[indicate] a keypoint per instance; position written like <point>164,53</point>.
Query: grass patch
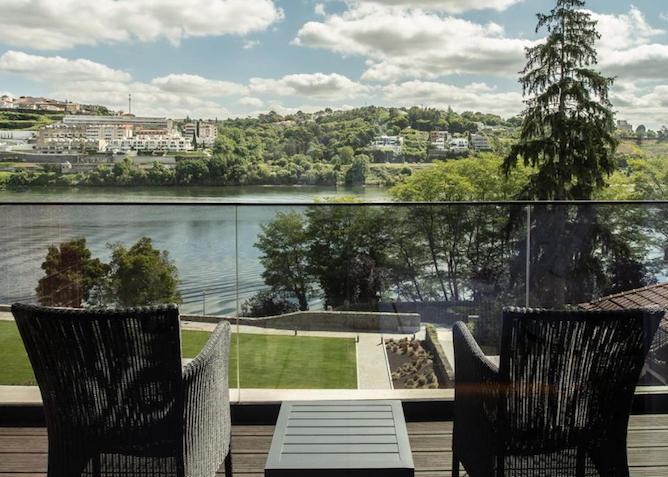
<point>15,367</point>
<point>267,361</point>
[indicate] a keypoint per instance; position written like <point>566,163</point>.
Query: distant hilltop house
<point>459,145</point>
<point>439,140</point>
<point>392,143</point>
<point>480,143</point>
<point>624,127</point>
<point>7,102</point>
<point>112,134</point>
<point>46,104</point>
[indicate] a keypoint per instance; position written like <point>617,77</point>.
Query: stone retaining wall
<point>327,321</point>
<point>442,367</point>
<point>347,321</point>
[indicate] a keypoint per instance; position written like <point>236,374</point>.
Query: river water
<point>201,239</point>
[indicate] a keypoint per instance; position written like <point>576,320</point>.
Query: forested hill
<point>321,135</point>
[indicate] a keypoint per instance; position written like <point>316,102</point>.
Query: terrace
<point>399,271</point>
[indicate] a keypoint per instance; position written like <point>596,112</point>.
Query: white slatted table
<point>340,438</point>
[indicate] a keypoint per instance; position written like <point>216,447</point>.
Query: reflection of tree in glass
<point>71,275</point>
<point>138,276</point>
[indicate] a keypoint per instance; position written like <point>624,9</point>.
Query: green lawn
<point>275,362</point>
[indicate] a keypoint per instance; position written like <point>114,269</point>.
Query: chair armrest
<point>472,366</point>
<point>207,405</point>
<point>477,389</point>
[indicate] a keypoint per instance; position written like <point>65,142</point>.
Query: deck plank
<point>23,451</point>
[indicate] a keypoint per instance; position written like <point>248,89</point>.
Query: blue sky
<point>220,58</point>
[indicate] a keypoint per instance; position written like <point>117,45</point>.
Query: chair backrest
<point>107,374</point>
<point>570,376</point>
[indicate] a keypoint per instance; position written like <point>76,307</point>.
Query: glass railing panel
<point>286,341</point>
<point>603,257</point>
<point>125,255</point>
<point>342,295</point>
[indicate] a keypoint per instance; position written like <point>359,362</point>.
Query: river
<point>201,239</point>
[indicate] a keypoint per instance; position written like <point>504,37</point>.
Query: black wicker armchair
<point>117,400</point>
<point>558,404</point>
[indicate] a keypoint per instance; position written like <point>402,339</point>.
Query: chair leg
<point>97,467</point>
<point>455,465</point>
<point>228,463</point>
<point>500,466</point>
<point>580,462</point>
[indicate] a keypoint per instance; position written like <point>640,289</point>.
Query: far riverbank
<point>237,194</point>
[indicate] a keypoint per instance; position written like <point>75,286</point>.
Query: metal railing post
<point>528,260</point>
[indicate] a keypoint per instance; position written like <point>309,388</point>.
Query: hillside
<point>10,119</point>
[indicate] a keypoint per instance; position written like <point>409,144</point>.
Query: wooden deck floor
<point>23,450</point>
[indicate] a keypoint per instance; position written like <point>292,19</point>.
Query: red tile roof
<point>655,295</point>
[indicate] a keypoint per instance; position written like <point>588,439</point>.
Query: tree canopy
<point>567,132</point>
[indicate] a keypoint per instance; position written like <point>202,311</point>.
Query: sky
<point>229,58</point>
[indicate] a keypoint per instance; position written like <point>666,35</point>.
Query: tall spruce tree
<point>567,137</point>
<point>568,123</point>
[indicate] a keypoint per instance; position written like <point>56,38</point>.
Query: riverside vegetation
<point>325,148</point>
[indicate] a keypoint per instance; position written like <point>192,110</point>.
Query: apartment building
<point>204,132</point>
<point>59,138</point>
<point>624,126</point>
<point>155,143</point>
<point>108,132</point>
<point>121,120</point>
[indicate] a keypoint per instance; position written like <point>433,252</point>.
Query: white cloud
<point>399,42</point>
<point>628,46</point>
<point>473,97</point>
<point>625,30</point>
<point>319,9</point>
<point>88,82</point>
<point>450,6</point>
<point>57,68</point>
<point>641,105</point>
<point>280,108</point>
<point>51,25</point>
<point>250,44</point>
<point>640,62</point>
<point>147,99</point>
<point>251,101</point>
<point>198,86</point>
<point>317,85</point>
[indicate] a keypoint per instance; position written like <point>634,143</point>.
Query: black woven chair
<point>117,400</point>
<point>559,402</point>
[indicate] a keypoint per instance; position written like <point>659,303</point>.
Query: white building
<point>459,145</point>
<point>391,143</point>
